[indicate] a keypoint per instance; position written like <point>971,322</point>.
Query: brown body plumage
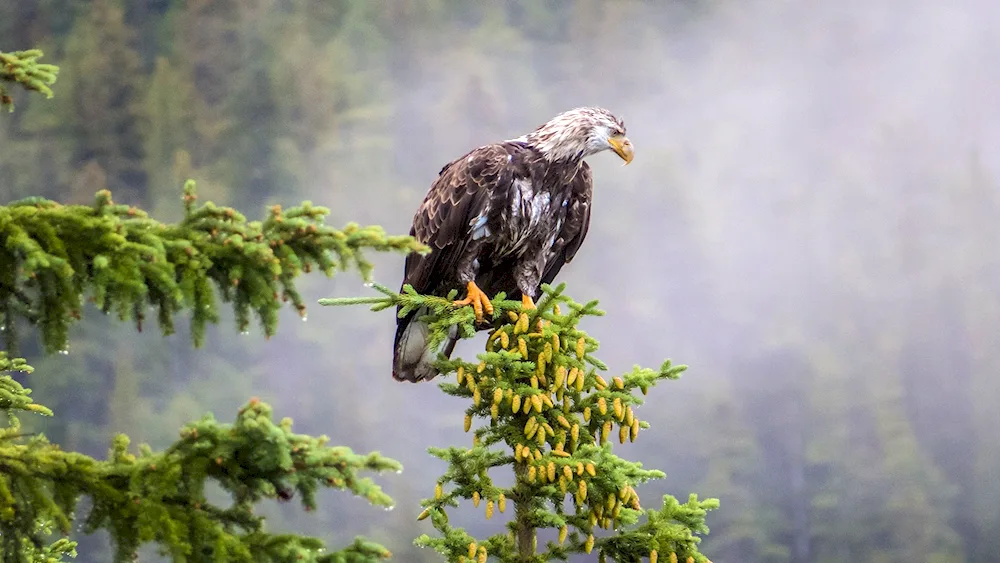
<point>504,217</point>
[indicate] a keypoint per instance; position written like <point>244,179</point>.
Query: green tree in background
<point>744,530</point>
<point>169,136</point>
<point>103,95</point>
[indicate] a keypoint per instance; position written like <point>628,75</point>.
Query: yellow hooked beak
<point>622,147</point>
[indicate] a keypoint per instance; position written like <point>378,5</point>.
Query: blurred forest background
<point>810,223</point>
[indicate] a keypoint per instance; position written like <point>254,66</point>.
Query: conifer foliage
<point>22,67</point>
<point>55,254</point>
<point>161,497</point>
<point>551,416</point>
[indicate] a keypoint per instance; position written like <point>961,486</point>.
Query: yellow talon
<point>478,299</point>
<point>527,302</point>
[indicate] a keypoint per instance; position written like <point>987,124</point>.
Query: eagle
<point>504,217</point>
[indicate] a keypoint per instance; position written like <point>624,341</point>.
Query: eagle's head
<point>581,132</point>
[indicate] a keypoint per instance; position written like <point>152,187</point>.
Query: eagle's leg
<point>528,274</point>
<point>478,299</point>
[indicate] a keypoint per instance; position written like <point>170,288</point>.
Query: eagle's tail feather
<point>412,357</point>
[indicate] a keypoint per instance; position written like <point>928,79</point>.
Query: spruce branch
<point>550,416</point>
<point>161,498</point>
<point>22,67</point>
<point>14,397</point>
<point>125,262</point>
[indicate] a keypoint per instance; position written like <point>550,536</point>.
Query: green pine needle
<point>22,67</point>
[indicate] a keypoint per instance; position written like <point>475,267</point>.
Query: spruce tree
<point>170,131</point>
<point>52,257</point>
<point>550,417</point>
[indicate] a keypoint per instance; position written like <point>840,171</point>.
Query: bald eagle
<point>504,217</point>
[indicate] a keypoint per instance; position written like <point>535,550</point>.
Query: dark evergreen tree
<point>731,467</point>
<point>169,134</point>
<point>101,102</point>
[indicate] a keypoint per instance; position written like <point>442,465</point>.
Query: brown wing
<point>444,221</point>
<point>574,228</point>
